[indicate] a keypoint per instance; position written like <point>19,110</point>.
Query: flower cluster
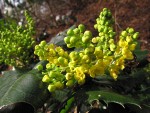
<point>94,56</point>
<point>16,42</point>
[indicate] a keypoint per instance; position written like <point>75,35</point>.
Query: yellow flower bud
<point>85,58</point>
<point>73,55</point>
<point>128,55</point>
<point>96,70</point>
<point>94,40</point>
<point>59,85</point>
<point>69,76</point>
<point>122,43</point>
<point>111,41</point>
<point>129,39</point>
<point>98,52</point>
<point>79,73</point>
<point>51,88</point>
<point>113,74</point>
<point>112,47</point>
<point>48,65</point>
<point>46,78</point>
<point>132,47</point>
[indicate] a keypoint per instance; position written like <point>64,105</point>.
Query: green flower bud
<point>69,45</point>
<point>112,47</point>
<point>40,67</point>
<point>40,53</point>
<point>105,9</point>
<point>102,22</point>
<point>96,26</point>
<point>124,33</point>
<point>61,60</point>
<point>70,32</point>
<point>70,83</point>
<point>111,41</point>
<point>59,85</point>
<point>128,39</point>
<point>136,35</point>
<point>88,33</point>
<point>81,28</point>
<point>131,30</point>
<point>67,40</point>
<point>43,43</point>
<point>52,74</point>
<point>69,76</point>
<point>105,13</point>
<point>73,55</point>
<point>100,28</point>
<point>48,65</point>
<point>102,38</point>
<point>46,78</point>
<point>76,31</point>
<point>85,39</point>
<point>51,88</point>
<point>105,30</point>
<point>94,40</point>
<point>73,39</point>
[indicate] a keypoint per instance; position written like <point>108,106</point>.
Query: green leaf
<point>109,96</point>
<point>7,79</point>
<point>23,88</point>
<point>61,95</point>
<point>140,54</point>
<point>59,38</point>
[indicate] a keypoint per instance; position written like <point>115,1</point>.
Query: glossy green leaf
<point>23,88</point>
<point>59,38</point>
<point>140,54</point>
<point>109,96</point>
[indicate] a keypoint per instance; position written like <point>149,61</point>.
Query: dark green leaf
<point>7,80</point>
<point>23,88</point>
<point>59,38</point>
<point>140,54</point>
<point>61,95</point>
<point>109,96</point>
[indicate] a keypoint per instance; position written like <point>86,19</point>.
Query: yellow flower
<point>114,73</point>
<point>85,68</point>
<point>96,70</point>
<point>79,74</point>
<point>128,55</point>
<point>122,43</point>
<point>120,63</point>
<point>132,47</point>
<point>98,52</point>
<point>117,51</point>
